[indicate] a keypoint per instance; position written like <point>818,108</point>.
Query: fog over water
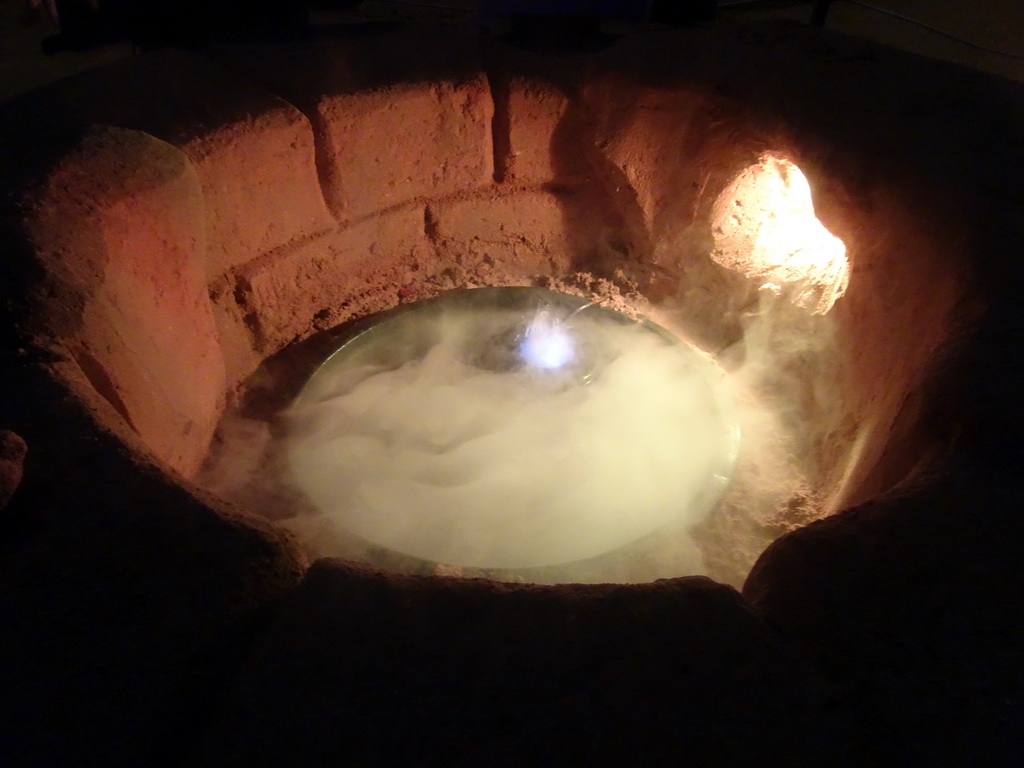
<point>430,442</point>
<point>477,439</point>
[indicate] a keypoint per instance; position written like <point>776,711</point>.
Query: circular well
<point>510,428</point>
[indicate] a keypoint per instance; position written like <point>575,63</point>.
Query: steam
<point>601,434</point>
<point>779,273</point>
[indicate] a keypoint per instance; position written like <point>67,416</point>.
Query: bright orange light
<point>764,227</point>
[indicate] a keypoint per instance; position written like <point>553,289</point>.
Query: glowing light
<point>765,228</point>
<point>547,344</point>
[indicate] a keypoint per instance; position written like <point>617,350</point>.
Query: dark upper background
<point>996,24</point>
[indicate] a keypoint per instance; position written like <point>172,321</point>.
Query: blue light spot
<point>547,344</point>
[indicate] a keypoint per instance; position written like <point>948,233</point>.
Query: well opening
<point>747,273</point>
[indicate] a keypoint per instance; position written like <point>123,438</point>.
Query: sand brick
<point>546,135</point>
<point>536,109</point>
<point>399,113</point>
<point>376,147</point>
<point>539,135</point>
<point>288,292</point>
<point>132,307</point>
<point>237,340</point>
<point>519,234</point>
<point>253,152</point>
<point>651,135</point>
